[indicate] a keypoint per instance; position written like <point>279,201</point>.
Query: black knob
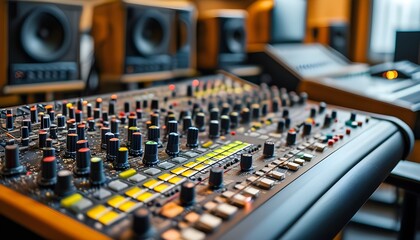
<point>81,131</point>
<point>91,125</point>
<point>291,137</point>
<point>225,109</point>
<point>42,137</point>
<point>327,120</point>
<point>150,157</point>
<point>27,123</point>
<point>275,105</point>
<point>246,162</point>
<point>312,113</point>
<point>322,107</point>
<point>200,121</point>
<point>280,126</point>
<point>225,124</point>
<point>97,172</point>
<point>104,131</point>
<point>303,96</point>
<point>82,162</point>
<point>187,194</point>
<point>287,122</point>
<point>34,114</point>
<point>186,123</point>
<point>154,119</point>
<point>153,134</point>
<point>216,178</point>
<point>245,115</point>
<point>353,116</point>
<point>172,126</point>
<point>190,91</point>
<point>9,121</point>
<point>121,163</point>
<point>89,110</point>
<point>285,113</point>
<point>264,109</point>
<point>48,150</point>
<point>97,113</point>
<point>307,128</point>
<point>126,107</point>
<point>172,147</point>
<point>78,116</point>
<point>111,108</point>
<point>48,176</point>
<point>334,114</point>
<point>12,165</point>
<point>214,114</point>
<point>130,132</point>
<point>53,131</point>
<point>112,149</point>
<point>192,137</point>
<point>136,144</point>
<point>61,121</point>
<point>72,112</point>
<point>82,144</point>
<point>142,224</point>
<point>154,105</point>
<point>132,121</point>
<point>234,119</point>
<point>64,185</point>
<point>115,124</point>
<point>24,133</point>
<point>71,145</point>
<point>255,111</point>
<point>214,129</point>
<point>268,150</point>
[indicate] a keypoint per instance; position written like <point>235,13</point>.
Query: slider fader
<point>191,160</point>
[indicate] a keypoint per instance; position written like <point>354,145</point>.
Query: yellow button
<point>201,159</point>
<point>200,167</point>
<point>134,192</point>
<point>178,170</point>
<point>127,173</point>
<point>129,206</point>
<point>219,157</point>
<point>231,145</point>
<point>161,188</point>
<point>210,155</point>
<point>97,211</point>
<point>225,147</point>
<point>145,197</point>
<point>190,164</point>
<point>151,183</point>
<point>166,176</point>
<point>109,218</point>
<point>219,150</point>
<point>116,201</point>
<point>176,180</point>
<point>207,144</point>
<point>189,173</point>
<point>70,200</point>
<point>238,142</point>
<point>209,162</point>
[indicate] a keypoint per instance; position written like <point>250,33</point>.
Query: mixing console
<point>197,159</point>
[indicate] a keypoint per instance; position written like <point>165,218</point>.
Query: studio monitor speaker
<point>135,40</point>
<point>40,45</point>
<point>221,37</point>
<point>334,33</point>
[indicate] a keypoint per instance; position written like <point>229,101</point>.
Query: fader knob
<point>268,150</point>
<point>172,147</point>
<point>48,175</point>
<point>187,194</point>
<point>112,149</point>
<point>322,107</point>
<point>186,123</point>
<point>256,112</point>
<point>71,145</point>
<point>246,162</point>
<point>234,119</point>
<point>192,137</point>
<point>64,185</point>
<point>225,123</point>
<point>97,173</point>
<point>136,144</point>
<point>12,164</point>
<point>307,128</point>
<point>172,126</point>
<point>150,157</point>
<point>280,126</point>
<point>291,137</point>
<point>327,120</point>
<point>82,162</point>
<point>121,163</point>
<point>142,225</point>
<point>214,129</point>
<point>200,121</point>
<point>245,115</point>
<point>214,114</point>
<point>216,178</point>
<point>153,133</point>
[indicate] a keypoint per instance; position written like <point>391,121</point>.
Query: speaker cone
<point>45,34</point>
<point>235,36</point>
<point>150,33</point>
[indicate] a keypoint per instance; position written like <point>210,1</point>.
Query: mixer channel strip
<point>188,161</point>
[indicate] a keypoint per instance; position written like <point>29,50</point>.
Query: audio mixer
<point>209,158</point>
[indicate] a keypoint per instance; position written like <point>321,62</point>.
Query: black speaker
<point>221,38</point>
<point>339,38</point>
<point>149,33</point>
<point>43,42</point>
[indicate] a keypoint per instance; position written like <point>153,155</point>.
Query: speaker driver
<point>235,36</point>
<point>150,34</point>
<point>45,34</point>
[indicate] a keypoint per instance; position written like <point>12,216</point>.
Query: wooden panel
<point>259,21</point>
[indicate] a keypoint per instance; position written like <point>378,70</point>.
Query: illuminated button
<point>152,171</point>
<point>166,176</point>
<point>110,217</point>
<point>178,170</point>
<point>137,178</point>
<point>201,159</point>
<point>81,205</point>
<point>179,160</point>
<point>238,142</point>
<point>166,165</point>
<point>171,210</point>
<point>225,210</point>
<point>292,166</point>
<point>171,234</point>
<point>117,185</point>
<point>134,192</point>
<point>192,234</point>
<point>190,164</point>
<point>219,150</point>
<point>265,183</point>
<point>231,145</point>
<point>189,173</point>
<point>130,206</point>
<point>200,167</point>
<point>162,188</point>
<point>152,183</point>
<point>207,144</point>
<point>225,148</point>
<point>70,200</point>
<point>116,201</point>
<point>209,162</point>
<point>208,222</point>
<point>210,155</point>
<point>127,173</point>
<point>219,157</point>
<point>240,200</point>
<point>97,211</point>
<point>147,197</point>
<point>176,180</point>
<point>299,161</point>
<point>192,217</point>
<point>277,175</point>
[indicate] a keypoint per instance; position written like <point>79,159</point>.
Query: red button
<point>348,131</point>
